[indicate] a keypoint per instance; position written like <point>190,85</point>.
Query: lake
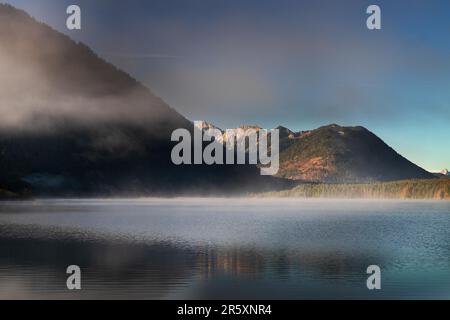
<point>224,248</point>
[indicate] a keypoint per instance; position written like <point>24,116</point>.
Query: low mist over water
<point>224,248</point>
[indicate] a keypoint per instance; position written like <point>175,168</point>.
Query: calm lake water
<point>224,248</point>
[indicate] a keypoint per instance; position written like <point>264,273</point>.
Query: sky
<point>300,64</point>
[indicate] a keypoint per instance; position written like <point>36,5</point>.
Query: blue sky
<point>296,63</point>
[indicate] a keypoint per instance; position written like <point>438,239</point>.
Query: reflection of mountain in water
<point>34,261</point>
<point>109,270</point>
<point>253,262</point>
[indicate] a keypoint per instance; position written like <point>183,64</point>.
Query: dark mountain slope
<point>73,124</point>
<point>46,74</point>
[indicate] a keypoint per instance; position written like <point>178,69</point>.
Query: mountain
<point>73,124</point>
<point>344,154</point>
<point>337,154</point>
<point>443,174</point>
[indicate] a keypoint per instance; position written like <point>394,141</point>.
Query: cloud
<point>44,75</point>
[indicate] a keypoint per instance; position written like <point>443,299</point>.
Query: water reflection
<point>35,269</point>
<point>158,251</point>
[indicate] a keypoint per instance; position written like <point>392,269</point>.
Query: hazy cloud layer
<point>44,76</point>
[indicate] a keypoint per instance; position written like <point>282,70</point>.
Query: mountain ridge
<point>334,153</point>
<point>337,154</point>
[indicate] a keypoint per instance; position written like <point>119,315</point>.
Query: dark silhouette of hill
<point>73,124</point>
<point>345,154</point>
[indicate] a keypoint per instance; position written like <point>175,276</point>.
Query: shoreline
<point>436,189</point>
